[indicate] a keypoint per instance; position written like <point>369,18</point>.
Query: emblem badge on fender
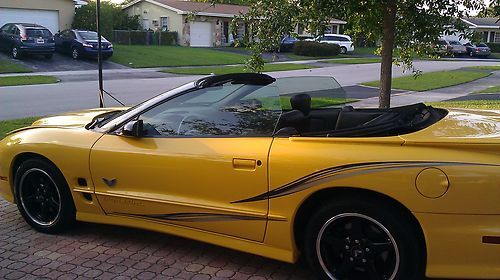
<point>109,182</point>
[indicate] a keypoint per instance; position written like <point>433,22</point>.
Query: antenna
<point>99,53</point>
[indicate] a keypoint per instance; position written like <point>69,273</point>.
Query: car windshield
<point>44,33</point>
<point>89,35</point>
<point>482,45</point>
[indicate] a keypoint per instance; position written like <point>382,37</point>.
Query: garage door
<point>49,19</point>
<point>201,34</point>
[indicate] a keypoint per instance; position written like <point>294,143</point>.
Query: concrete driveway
<point>60,62</point>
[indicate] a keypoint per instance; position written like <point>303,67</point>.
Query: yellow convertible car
<point>279,168</point>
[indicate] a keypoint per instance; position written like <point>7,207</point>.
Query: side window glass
<point>5,28</point>
<point>16,31</point>
<point>224,111</point>
<point>71,35</point>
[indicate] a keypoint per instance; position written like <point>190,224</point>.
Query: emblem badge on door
<point>109,182</point>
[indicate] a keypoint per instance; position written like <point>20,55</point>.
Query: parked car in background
<point>345,42</point>
<point>454,47</point>
<point>26,38</point>
<point>441,47</point>
<point>480,49</point>
<point>287,43</point>
<point>82,43</point>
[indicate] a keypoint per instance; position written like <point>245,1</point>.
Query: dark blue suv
<point>26,38</point>
<point>82,43</point>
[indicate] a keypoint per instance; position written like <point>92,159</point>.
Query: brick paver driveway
<point>90,251</point>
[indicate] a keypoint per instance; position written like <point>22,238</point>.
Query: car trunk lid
<point>460,127</point>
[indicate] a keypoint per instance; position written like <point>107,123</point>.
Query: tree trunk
<point>389,26</point>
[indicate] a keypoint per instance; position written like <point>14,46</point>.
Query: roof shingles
<point>204,7</point>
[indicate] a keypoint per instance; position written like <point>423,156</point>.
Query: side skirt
<point>235,243</point>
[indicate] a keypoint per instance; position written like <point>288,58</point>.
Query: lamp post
<point>99,53</point>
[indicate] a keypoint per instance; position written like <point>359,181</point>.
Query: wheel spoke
<point>344,268</point>
<point>29,199</point>
<point>53,203</point>
<point>372,271</point>
<point>356,230</point>
<point>381,247</point>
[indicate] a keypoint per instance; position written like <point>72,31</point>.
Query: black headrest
<point>301,102</point>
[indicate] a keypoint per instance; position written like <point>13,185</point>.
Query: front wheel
<point>362,240</point>
<point>15,52</point>
<point>343,50</point>
<point>43,196</point>
<point>75,53</point>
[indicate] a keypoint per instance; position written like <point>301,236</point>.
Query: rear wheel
<point>361,240</point>
<point>75,53</point>
<point>43,196</point>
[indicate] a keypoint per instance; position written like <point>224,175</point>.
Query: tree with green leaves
<point>405,27</point>
<point>112,18</point>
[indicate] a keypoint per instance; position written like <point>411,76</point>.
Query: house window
<point>155,22</point>
<point>492,37</point>
<point>335,29</point>
<point>164,23</point>
<point>485,36</point>
<point>497,37</point>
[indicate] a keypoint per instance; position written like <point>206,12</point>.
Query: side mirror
<point>133,129</point>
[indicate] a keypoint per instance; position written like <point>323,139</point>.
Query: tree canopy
<point>405,27</point>
<point>112,17</point>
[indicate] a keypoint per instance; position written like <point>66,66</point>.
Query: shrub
<point>308,48</point>
<point>495,47</point>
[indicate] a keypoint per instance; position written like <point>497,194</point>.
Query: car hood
<point>461,127</point>
<point>71,120</point>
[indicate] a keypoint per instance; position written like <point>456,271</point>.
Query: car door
<point>58,40</point>
<point>193,163</point>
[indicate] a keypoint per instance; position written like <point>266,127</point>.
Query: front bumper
<point>91,52</point>
<point>455,247</point>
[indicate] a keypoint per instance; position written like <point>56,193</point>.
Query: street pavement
<point>40,100</point>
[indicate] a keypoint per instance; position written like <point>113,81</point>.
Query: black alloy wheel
<point>354,240</point>
<point>43,197</point>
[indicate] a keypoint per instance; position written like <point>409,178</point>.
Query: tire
<point>15,52</point>
<point>343,50</point>
<point>349,239</point>
<point>43,196</point>
<point>49,56</point>
<point>75,53</point>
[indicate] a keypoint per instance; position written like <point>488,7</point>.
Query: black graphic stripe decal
<point>346,171</point>
<point>199,217</point>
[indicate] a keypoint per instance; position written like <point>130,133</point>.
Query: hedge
<point>308,48</point>
<point>495,47</point>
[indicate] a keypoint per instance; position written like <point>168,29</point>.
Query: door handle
<point>246,164</point>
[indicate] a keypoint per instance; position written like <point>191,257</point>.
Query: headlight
<point>86,45</point>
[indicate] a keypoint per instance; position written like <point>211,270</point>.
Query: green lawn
<point>433,80</point>
<point>301,57</point>
<point>355,61</point>
<point>12,67</point>
<point>219,70</point>
<point>155,56</point>
<point>316,102</point>
<point>493,89</point>
<point>27,80</point>
<point>9,125</point>
<point>487,68</point>
<point>468,104</point>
